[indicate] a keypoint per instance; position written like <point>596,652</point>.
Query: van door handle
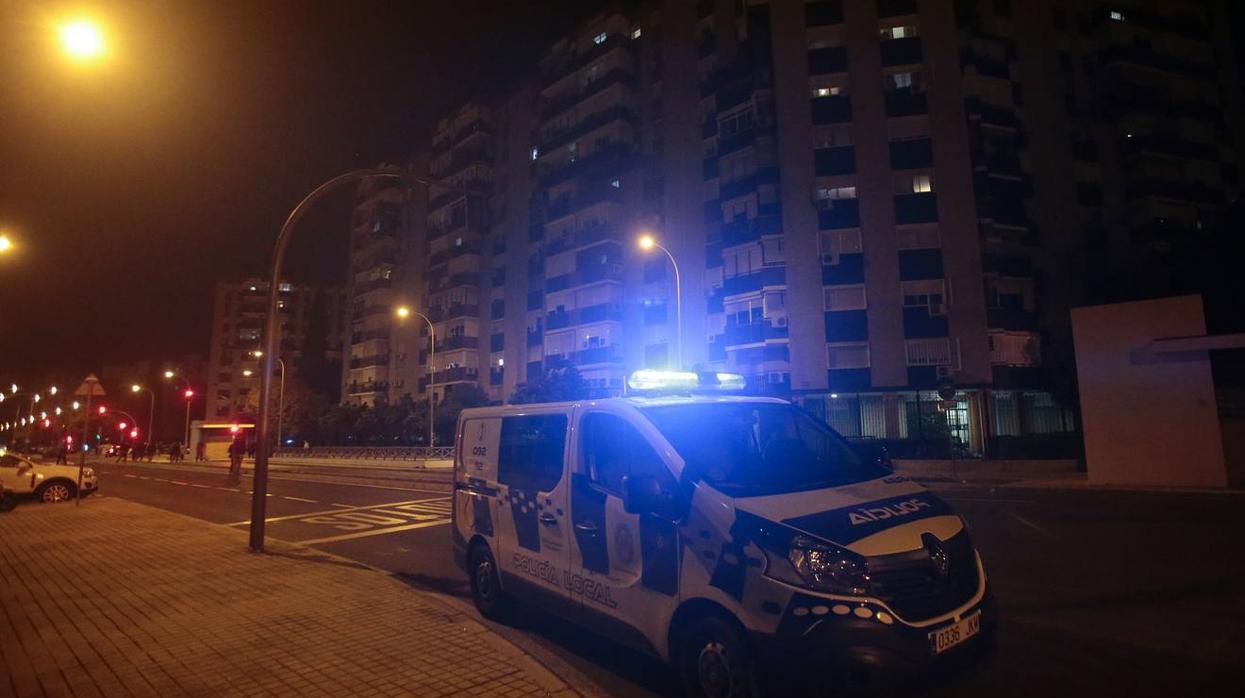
<point>548,519</point>
<point>587,528</point>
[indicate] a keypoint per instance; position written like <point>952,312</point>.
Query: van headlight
<point>828,567</point>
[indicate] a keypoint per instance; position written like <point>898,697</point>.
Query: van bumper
<point>866,650</point>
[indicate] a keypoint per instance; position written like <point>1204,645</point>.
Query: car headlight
<point>828,567</point>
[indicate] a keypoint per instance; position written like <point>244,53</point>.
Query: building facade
<point>234,370</point>
<point>867,200</point>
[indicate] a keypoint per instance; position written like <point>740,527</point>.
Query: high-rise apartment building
<point>234,371</point>
<point>867,200</point>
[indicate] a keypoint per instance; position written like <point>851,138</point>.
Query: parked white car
<point>50,483</point>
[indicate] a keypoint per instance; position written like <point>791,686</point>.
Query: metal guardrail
<point>368,452</point>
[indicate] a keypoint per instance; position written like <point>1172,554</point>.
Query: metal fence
<point>368,452</point>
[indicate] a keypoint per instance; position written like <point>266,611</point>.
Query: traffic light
<point>133,433</point>
<point>103,410</point>
<point>189,393</point>
<point>47,423</point>
<point>233,429</point>
<point>121,426</point>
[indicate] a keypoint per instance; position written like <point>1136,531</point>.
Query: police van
<point>732,536</point>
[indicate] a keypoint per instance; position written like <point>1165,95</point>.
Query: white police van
<point>736,537</point>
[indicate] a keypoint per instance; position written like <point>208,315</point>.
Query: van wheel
<point>716,662</point>
<point>55,491</point>
<point>486,591</point>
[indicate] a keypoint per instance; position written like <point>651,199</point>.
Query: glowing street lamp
<point>247,372</point>
<point>403,312</point>
<point>82,39</point>
<point>76,405</point>
<point>647,243</point>
<point>5,243</point>
<point>169,374</point>
<point>151,413</point>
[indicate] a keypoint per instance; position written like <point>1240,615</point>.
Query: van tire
<point>715,660</point>
<point>486,591</point>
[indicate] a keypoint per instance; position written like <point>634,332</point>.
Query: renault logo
<point>938,556</point>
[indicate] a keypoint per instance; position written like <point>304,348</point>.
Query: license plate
<point>944,639</point>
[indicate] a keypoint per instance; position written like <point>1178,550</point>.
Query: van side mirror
<point>644,494</point>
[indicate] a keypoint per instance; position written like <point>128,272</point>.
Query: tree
<point>457,400</point>
<point>559,384</point>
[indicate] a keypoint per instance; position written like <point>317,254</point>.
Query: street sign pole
<point>90,387</point>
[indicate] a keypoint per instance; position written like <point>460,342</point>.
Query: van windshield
<point>749,449</point>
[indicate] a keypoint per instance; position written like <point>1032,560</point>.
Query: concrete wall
<point>1149,419</point>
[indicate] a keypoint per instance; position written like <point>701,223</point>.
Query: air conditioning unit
<point>943,372</point>
<point>937,309</point>
<point>780,321</point>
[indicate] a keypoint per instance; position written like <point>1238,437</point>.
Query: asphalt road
<point>1102,593</point>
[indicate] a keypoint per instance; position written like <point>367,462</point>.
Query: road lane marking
<point>1032,525</point>
<point>178,482</point>
<point>347,506</point>
<point>128,475</point>
<point>376,532</point>
<point>333,511</point>
<point>299,499</point>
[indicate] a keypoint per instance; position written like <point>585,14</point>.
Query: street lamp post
<point>280,395</point>
<point>403,312</point>
<point>190,396</point>
<point>648,242</point>
<point>272,329</point>
<point>151,413</point>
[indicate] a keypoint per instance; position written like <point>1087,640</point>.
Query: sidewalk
<point>116,598</point>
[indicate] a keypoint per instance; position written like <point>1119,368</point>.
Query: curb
<point>540,673</point>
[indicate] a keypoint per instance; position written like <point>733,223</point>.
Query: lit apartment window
<point>284,288</point>
<point>600,38</point>
<point>535,152</point>
<point>826,195</point>
<point>635,33</point>
<point>1117,16</point>
<point>826,91</point>
<point>914,184</point>
<point>903,32</point>
<point>900,81</point>
<point>616,183</point>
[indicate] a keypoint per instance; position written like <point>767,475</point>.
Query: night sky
<point>133,185</point>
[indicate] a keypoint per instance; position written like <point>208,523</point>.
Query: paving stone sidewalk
<point>116,598</point>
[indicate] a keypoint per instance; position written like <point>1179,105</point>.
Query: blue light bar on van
<point>684,381</point>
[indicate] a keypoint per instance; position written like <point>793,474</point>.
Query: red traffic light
<point>47,423</point>
<point>189,393</point>
<point>121,426</point>
<point>103,410</point>
<point>133,433</point>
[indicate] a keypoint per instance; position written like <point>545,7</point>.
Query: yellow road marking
<point>333,511</point>
<point>299,499</point>
<point>377,532</point>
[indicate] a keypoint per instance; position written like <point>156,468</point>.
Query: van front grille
<point>910,583</point>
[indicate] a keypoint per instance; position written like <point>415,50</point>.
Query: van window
<point>530,452</point>
<point>614,449</point>
<point>746,449</point>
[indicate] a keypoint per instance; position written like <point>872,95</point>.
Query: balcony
<point>440,281</point>
<point>367,388</point>
<point>1180,191</point>
<point>830,59</point>
<point>844,213</point>
<point>369,311</point>
<point>369,361</point>
<point>1146,57</point>
<point>828,162</point>
<point>905,51</point>
<point>570,63</point>
<point>369,335</point>
<point>835,109</point>
<point>745,231</point>
<point>1167,145</point>
<point>445,140</point>
<point>769,276</point>
<point>905,102</point>
<point>459,342</point>
<point>618,76</point>
<point>916,208</point>
<point>604,312</point>
<point>456,310</point>
<point>609,159</point>
<point>462,158</point>
<point>594,355</point>
<point>566,204</point>
<point>473,247</point>
<point>555,138</point>
<point>458,374</point>
<point>818,13</point>
<point>752,333</point>
<point>587,275</point>
<point>372,285</point>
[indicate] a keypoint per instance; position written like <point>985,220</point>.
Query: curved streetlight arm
<point>272,337</point>
<point>678,307</point>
